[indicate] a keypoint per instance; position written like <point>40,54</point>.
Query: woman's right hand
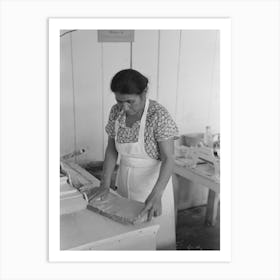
<point>99,193</point>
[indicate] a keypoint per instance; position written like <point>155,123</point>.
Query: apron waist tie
<point>138,162</point>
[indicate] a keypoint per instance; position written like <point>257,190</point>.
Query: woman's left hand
<point>152,206</point>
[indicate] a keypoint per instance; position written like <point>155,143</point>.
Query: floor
<point>192,234</point>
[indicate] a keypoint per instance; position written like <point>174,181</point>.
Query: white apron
<point>137,176</point>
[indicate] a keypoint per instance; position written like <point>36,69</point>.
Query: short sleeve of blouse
<point>165,127</point>
<point>110,127</point>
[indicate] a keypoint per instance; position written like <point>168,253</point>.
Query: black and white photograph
<point>140,139</point>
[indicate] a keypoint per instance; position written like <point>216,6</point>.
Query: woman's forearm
<point>109,164</point>
<point>166,171</point>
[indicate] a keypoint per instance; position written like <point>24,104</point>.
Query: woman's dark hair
<point>129,81</point>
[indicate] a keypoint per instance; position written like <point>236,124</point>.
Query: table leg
<point>212,208</point>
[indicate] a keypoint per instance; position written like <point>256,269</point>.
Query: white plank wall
<point>88,93</point>
<point>66,98</point>
<point>214,110</point>
<point>168,69</point>
<point>198,83</point>
<point>145,57</point>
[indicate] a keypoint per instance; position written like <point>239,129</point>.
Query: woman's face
<point>131,103</point>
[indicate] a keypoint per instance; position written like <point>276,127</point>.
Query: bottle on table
<point>208,137</point>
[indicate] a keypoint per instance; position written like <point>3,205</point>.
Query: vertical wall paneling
<point>130,58</point>
<point>178,74</point>
<point>66,97</point>
<point>102,117</point>
<point>88,93</point>
<point>116,56</point>
<point>168,61</point>
<point>145,53</point>
<point>196,80</point>
<point>158,64</point>
<point>73,96</point>
<point>214,110</point>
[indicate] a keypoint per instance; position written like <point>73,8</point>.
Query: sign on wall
<point>115,35</point>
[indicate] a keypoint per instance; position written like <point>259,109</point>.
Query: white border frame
<point>221,24</point>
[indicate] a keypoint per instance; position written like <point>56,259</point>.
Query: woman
<point>142,133</point>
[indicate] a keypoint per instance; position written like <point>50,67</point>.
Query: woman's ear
<point>143,94</point>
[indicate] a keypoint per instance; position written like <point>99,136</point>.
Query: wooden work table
<point>87,230</point>
<point>202,175</point>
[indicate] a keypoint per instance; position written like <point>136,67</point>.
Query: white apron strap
<point>143,122</point>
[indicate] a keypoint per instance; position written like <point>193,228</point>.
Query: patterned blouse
<point>159,127</point>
